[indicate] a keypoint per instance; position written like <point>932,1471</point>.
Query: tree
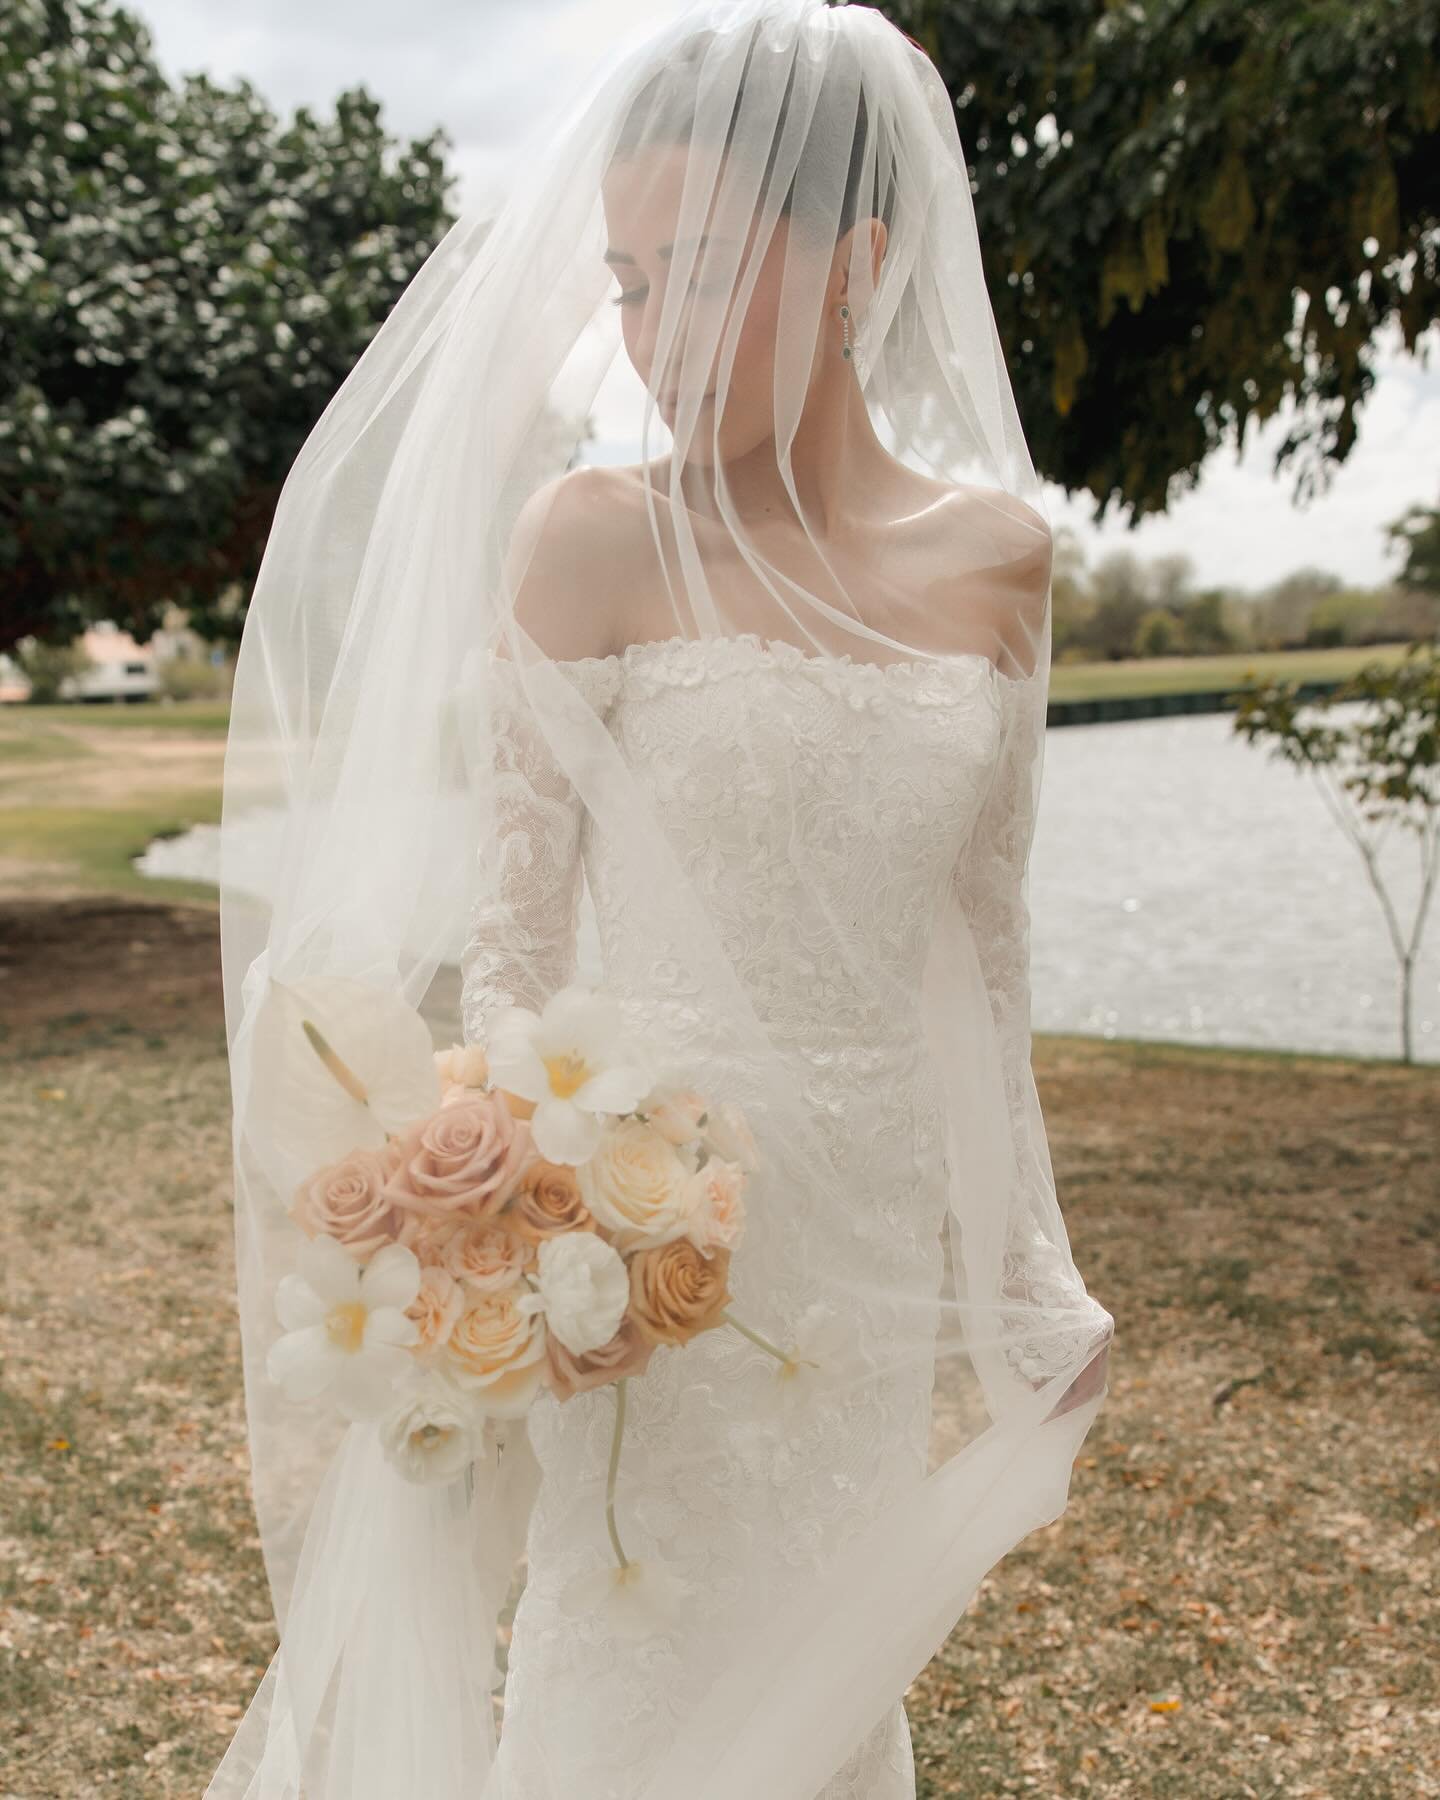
<point>183,284</point>
<point>1120,602</point>
<point>1390,758</point>
<point>1418,534</point>
<point>1192,212</point>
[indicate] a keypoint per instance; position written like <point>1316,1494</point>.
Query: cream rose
<point>347,1201</point>
<point>677,1291</point>
<point>465,1160</point>
<point>636,1185</point>
<point>497,1352</point>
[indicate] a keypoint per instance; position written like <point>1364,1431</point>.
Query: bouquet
<point>481,1228</point>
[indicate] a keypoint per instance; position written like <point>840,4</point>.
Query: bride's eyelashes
<point>633,294</point>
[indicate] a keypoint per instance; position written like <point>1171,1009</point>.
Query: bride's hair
<point>665,108</point>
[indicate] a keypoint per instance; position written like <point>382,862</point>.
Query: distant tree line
<point>1125,607</point>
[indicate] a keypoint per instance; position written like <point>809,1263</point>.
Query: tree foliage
<point>184,281</point>
<point>1193,212</point>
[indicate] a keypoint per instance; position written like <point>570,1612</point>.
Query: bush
<point>45,666</point>
<point>187,678</point>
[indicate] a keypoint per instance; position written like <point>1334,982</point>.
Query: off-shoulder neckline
<point>782,653</point>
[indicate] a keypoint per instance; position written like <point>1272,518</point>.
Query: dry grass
<point>1241,1599</point>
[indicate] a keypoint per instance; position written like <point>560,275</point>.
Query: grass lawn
<point>1185,674</point>
<point>1240,1600</point>
<point>83,790</point>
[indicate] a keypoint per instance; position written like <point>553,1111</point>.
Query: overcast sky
<point>488,70</point>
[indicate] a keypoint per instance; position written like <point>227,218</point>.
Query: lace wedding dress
<point>891,773</point>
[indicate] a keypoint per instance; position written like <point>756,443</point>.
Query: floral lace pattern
<point>797,791</point>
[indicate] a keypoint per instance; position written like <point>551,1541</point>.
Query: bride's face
<point>641,196</point>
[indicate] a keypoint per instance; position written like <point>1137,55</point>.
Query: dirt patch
<point>81,971</point>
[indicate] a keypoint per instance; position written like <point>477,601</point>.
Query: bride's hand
<point>1086,1385</point>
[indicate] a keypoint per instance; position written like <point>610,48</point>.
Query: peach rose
<point>464,1160</point>
<point>717,1204</point>
<point>676,1114</point>
<point>488,1257</point>
<point>497,1351</point>
<point>636,1186</point>
<point>728,1134</point>
<point>627,1353</point>
<point>462,1066</point>
<point>677,1291</point>
<point>436,1307</point>
<point>548,1202</point>
<point>347,1200</point>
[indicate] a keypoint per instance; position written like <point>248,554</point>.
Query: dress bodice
<point>819,806</point>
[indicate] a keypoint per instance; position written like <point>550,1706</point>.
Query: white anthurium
<point>432,1432</point>
<point>636,1600</point>
<point>818,1352</point>
<point>337,1064</point>
<point>347,1334</point>
<point>572,1062</point>
<point>584,1288</point>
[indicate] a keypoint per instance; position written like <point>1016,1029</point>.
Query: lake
<point>1184,886</point>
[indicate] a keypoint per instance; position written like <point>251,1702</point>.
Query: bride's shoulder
<point>991,587</point>
<point>565,562</point>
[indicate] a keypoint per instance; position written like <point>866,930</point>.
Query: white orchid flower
<point>347,1335</point>
<point>569,1060</point>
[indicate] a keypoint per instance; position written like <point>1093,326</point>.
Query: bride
<point>774,695</point>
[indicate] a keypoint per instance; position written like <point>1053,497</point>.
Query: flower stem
<point>755,1338</point>
<point>620,1387</point>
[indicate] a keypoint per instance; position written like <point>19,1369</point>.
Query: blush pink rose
<point>463,1161</point>
<point>627,1353</point>
<point>347,1200</point>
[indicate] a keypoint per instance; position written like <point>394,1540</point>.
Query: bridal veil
<point>722,371</point>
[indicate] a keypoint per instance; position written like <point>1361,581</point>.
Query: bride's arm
<point>521,941</point>
<point>1054,1318</point>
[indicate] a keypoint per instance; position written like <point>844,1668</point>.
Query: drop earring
<point>846,349</point>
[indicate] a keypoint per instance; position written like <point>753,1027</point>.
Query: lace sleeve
<point>520,944</point>
<point>1054,1319</point>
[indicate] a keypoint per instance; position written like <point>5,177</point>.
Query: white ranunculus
<point>583,1292</point>
<point>433,1434</point>
<point>347,1336</point>
<point>571,1062</point>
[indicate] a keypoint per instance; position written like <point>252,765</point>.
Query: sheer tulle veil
<point>747,269</point>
